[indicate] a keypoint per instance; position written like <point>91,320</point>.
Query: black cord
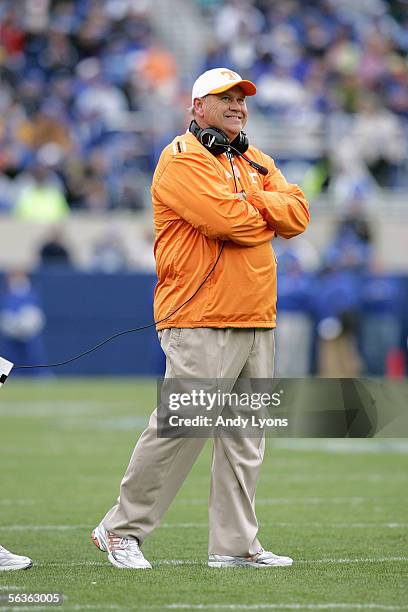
<point>122,333</point>
<point>136,329</point>
<point>258,167</point>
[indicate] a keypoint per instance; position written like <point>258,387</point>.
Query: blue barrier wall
<point>83,309</point>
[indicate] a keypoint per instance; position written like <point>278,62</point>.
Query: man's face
<point>226,111</point>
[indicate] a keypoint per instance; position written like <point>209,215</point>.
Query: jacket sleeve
<point>190,185</point>
<point>282,204</point>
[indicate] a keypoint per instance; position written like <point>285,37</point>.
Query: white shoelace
<point>117,543</point>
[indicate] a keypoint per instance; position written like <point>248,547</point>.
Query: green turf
<point>64,446</point>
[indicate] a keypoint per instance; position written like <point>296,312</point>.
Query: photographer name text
<point>242,422</point>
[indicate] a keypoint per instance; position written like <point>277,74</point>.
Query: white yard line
<point>72,563</point>
<point>23,527</point>
<point>378,445</point>
<point>28,608</point>
<point>316,525</point>
<point>310,525</point>
<point>189,606</point>
<point>203,562</point>
<point>266,606</point>
<point>282,606</point>
<point>372,477</point>
<point>358,560</point>
<point>97,607</point>
<point>66,607</point>
<point>11,587</point>
<point>50,409</point>
<point>303,501</point>
<point>17,502</point>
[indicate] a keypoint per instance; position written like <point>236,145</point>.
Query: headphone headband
<point>216,141</point>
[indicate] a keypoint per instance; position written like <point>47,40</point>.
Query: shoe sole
<point>229,564</point>
<point>13,568</point>
<point>125,567</point>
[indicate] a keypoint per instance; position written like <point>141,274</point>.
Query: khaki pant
<point>159,466</point>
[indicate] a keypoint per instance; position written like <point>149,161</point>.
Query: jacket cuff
<point>254,197</point>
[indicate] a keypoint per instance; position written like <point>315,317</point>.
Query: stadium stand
<point>88,89</point>
<point>332,79</point>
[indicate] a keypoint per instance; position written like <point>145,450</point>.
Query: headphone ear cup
<point>214,140</point>
<point>241,142</point>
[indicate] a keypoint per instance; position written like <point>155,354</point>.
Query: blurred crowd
<point>338,316</point>
<point>80,89</point>
<point>340,65</point>
<point>89,94</point>
<point>323,55</point>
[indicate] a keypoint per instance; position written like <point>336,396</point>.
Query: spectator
<point>54,250</point>
<point>294,326</point>
<point>109,255</point>
<point>380,140</point>
<point>336,304</point>
<point>97,97</point>
<point>336,298</point>
<point>143,252</point>
<point>158,71</point>
<point>21,323</point>
<point>12,36</point>
<point>42,199</point>
<point>49,126</point>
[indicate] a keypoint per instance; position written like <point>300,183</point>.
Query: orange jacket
<point>195,210</point>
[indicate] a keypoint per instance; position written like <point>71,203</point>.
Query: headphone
<point>216,141</point>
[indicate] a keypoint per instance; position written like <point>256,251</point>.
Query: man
<point>9,561</point>
<point>204,201</point>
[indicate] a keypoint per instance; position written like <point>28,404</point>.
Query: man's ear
<point>198,107</point>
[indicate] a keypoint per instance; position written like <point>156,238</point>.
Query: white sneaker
<point>9,561</point>
<point>261,559</point>
<point>122,552</point>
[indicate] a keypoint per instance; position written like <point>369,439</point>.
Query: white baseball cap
<point>218,80</point>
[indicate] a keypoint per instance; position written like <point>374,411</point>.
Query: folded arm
<point>194,190</point>
<point>282,204</point>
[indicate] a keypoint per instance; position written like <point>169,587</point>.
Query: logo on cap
<point>233,76</point>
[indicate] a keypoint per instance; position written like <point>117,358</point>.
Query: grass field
<point>338,507</point>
